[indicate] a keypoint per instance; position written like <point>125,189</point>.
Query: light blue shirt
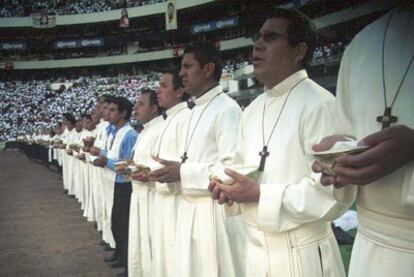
<point>125,152</point>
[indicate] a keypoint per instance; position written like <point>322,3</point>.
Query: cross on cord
<point>184,157</point>
<point>387,118</point>
<point>263,155</point>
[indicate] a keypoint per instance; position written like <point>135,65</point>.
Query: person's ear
<point>209,69</point>
<point>300,52</point>
<point>179,93</point>
<point>123,114</point>
<point>154,109</point>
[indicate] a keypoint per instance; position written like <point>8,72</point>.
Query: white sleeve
<point>285,206</point>
<point>195,175</point>
<point>408,187</point>
<point>343,111</point>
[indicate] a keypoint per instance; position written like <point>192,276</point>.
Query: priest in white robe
<point>84,185</point>
<point>204,237</point>
<point>170,96</point>
<point>102,179</point>
<point>286,210</point>
<point>60,149</point>
<point>55,146</point>
<point>59,145</point>
<point>377,66</point>
<point>69,121</point>
<point>73,165</point>
<point>141,217</point>
<point>78,162</point>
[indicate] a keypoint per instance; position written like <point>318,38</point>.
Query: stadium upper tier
<point>131,51</point>
<point>22,8</point>
<point>152,8</point>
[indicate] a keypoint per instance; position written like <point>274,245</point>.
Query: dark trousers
<point>120,219</point>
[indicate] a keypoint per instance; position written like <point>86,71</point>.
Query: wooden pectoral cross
<point>263,155</point>
<point>387,118</point>
<point>184,157</point>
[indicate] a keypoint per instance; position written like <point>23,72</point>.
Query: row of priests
<point>205,189</point>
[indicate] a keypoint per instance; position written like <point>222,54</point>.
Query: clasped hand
<point>244,189</point>
<point>390,149</point>
<point>170,173</point>
<point>100,161</point>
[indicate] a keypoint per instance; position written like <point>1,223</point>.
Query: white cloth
<point>89,211</point>
<point>105,193</point>
<point>63,156</point>
<point>289,230</point>
<point>103,188</point>
<point>79,168</point>
<point>140,213</point>
<point>84,172</point>
<point>59,152</point>
<point>95,210</point>
<point>205,238</point>
<point>69,137</point>
<point>168,147</point>
<point>87,204</point>
<point>385,239</point>
<point>73,168</point>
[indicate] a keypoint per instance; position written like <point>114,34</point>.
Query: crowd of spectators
<point>22,8</point>
<point>29,106</point>
<point>232,65</point>
<point>329,50</point>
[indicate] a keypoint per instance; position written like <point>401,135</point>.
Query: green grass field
<point>346,255</point>
<point>347,249</point>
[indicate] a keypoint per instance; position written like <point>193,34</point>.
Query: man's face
<point>114,116</point>
<point>98,105</point>
<point>166,95</point>
<point>79,125</point>
<point>87,124</point>
<point>96,111</point>
<point>273,58</point>
<point>193,75</point>
<point>68,124</point>
<point>105,111</point>
<point>143,110</point>
<point>101,106</point>
<point>95,117</point>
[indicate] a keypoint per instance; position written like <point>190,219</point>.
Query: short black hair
<point>86,116</point>
<point>123,105</point>
<point>153,99</point>
<point>107,98</point>
<point>177,81</point>
<point>69,117</point>
<point>175,72</point>
<point>204,53</point>
<point>300,29</point>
